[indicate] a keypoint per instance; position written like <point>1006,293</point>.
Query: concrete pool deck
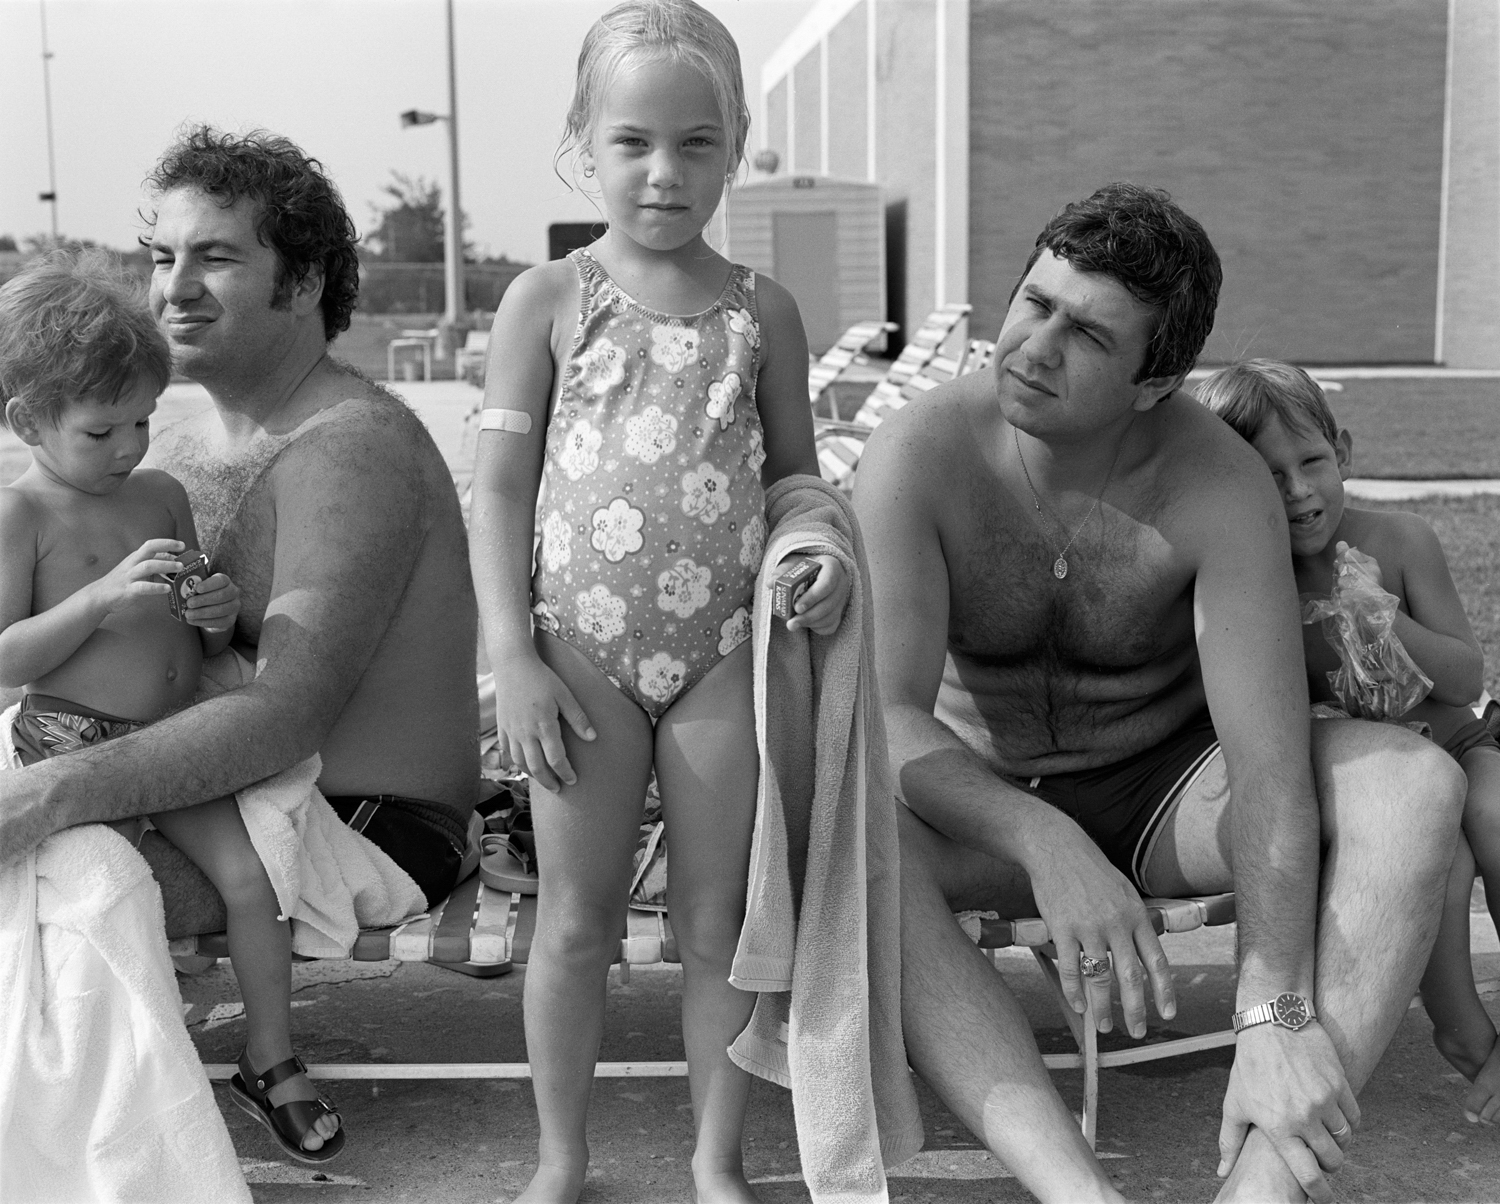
<point>473,1141</point>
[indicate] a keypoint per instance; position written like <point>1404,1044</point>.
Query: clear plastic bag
<point>1376,677</point>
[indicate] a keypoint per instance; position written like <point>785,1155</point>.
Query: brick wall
<point>1306,135</point>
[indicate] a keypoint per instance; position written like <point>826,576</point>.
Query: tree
<point>411,229</point>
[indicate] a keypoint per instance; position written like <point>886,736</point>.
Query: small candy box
<point>185,584</point>
<point>800,573</point>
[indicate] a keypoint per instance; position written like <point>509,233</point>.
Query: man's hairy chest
<point>234,512</point>
<point>1125,602</point>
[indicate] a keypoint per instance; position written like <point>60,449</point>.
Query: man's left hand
<point>1291,1086</point>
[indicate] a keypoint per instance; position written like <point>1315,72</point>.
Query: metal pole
<point>51,194</point>
<point>453,248</point>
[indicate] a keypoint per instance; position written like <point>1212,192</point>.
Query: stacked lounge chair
<point>923,364</point>
<point>850,349</point>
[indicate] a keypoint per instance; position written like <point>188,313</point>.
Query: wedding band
<point>1092,967</point>
<point>1340,1133</point>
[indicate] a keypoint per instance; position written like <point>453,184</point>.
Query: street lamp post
<point>453,247</point>
<point>50,196</point>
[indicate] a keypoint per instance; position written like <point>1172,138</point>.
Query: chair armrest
<point>1167,915</point>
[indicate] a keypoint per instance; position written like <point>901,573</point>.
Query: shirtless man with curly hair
<point>324,498</point>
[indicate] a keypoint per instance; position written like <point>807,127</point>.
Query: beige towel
<point>821,941</point>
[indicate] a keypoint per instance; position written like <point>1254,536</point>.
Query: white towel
<point>329,880</point>
<point>102,1095</point>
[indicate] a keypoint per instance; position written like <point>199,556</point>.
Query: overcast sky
<point>333,75</point>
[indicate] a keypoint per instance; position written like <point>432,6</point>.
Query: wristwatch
<point>1288,1010</point>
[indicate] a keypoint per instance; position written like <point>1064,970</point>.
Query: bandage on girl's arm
<point>517,422</point>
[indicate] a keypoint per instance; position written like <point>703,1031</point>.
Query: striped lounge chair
<point>848,350</point>
<point>923,364</point>
<point>476,924</point>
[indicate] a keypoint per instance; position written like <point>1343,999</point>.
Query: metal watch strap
<point>1265,1013</point>
<point>1261,1013</point>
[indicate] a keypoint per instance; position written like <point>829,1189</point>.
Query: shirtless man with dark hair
<point>325,499</point>
<point>1090,655</point>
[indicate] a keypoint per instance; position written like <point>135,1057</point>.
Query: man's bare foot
<point>1260,1176</point>
<point>722,1187</point>
<point>555,1184</point>
<point>1482,1100</point>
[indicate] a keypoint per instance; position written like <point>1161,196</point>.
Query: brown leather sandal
<point>290,1122</point>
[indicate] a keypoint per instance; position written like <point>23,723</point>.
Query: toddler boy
<point>86,626</point>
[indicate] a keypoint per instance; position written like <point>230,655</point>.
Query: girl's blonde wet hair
<point>676,30</point>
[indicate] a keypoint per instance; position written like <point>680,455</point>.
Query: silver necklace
<point>1060,565</point>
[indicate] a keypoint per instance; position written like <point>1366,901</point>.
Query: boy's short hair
<point>1250,393</point>
<point>1140,237</point>
<point>74,325</point>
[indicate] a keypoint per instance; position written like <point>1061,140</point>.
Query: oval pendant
<point>1060,568</point>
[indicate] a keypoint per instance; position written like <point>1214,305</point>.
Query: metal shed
<point>821,237</point>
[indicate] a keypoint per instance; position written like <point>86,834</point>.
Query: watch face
<point>1289,1010</point>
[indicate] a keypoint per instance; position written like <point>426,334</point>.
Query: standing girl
<point>651,390</point>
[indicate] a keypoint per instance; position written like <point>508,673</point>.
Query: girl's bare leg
<point>585,837</point>
<point>707,768</point>
<point>213,837</point>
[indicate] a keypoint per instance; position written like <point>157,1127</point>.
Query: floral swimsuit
<point>651,512</point>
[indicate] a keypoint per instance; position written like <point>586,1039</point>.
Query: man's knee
<point>1388,783</point>
<point>1441,775</point>
<point>1424,781</point>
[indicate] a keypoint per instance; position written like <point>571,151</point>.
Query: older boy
<point>1283,414</point>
